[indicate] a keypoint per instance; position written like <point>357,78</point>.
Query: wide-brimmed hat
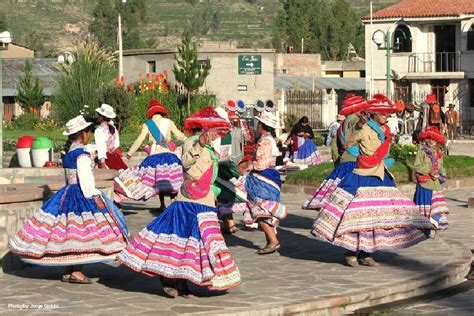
<point>270,106</point>
<point>431,98</point>
<point>240,106</point>
<point>353,103</point>
<point>269,119</point>
<point>340,117</point>
<point>259,106</point>
<point>230,105</point>
<point>155,107</point>
<point>381,104</point>
<point>432,133</point>
<point>205,119</point>
<point>106,110</point>
<point>451,106</point>
<point>233,116</point>
<point>75,125</point>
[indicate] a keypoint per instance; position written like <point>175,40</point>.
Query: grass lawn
<point>456,167</point>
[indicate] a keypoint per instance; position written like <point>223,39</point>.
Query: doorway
<point>445,48</point>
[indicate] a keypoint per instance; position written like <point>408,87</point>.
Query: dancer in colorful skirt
<point>430,174</point>
<point>353,108</point>
<point>77,225</point>
<point>305,151</point>
<point>367,213</point>
<point>185,242</point>
<point>107,140</point>
<point>161,172</point>
<point>263,185</point>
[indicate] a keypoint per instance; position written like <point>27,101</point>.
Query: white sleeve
<point>85,176</point>
<point>101,143</point>
<point>117,139</point>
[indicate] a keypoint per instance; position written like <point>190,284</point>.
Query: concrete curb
<point>451,274</point>
<point>409,188</point>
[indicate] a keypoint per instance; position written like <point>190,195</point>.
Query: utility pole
<point>119,38</point>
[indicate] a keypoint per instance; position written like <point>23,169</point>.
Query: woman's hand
<point>129,156</point>
<point>99,202</point>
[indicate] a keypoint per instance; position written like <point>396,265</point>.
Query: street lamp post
<point>380,37</point>
<point>119,39</point>
<point>5,39</point>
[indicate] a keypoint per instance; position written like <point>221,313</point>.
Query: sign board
<point>250,64</point>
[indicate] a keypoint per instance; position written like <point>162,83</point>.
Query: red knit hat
<point>432,133</point>
<point>381,104</point>
<point>431,98</point>
<point>353,103</point>
<point>154,107</point>
<point>206,119</point>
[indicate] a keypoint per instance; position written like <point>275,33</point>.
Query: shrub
<point>25,121</point>
<point>120,100</point>
<point>93,69</point>
<point>403,153</point>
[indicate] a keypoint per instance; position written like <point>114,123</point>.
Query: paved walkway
<point>306,275</point>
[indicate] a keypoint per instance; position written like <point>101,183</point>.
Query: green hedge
<point>456,167</point>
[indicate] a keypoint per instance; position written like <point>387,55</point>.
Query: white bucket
<point>40,156</point>
<point>24,157</point>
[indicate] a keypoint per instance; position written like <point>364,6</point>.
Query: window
<point>151,66</point>
<point>439,88</point>
<point>402,39</point>
<point>402,90</point>
<point>470,38</point>
<point>204,63</point>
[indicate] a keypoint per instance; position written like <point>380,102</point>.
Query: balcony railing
<point>434,62</point>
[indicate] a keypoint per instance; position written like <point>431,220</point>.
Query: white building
<point>431,50</point>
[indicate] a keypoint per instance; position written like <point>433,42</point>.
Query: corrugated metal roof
<point>306,83</point>
<point>46,69</point>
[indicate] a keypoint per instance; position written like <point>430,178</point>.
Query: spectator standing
<point>452,122</point>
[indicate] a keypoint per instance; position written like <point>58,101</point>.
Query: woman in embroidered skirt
<point>77,225</point>
<point>107,140</point>
<point>263,185</point>
<point>185,242</point>
<point>305,151</point>
<point>353,108</point>
<point>367,212</point>
<point>430,174</point>
<point>161,172</point>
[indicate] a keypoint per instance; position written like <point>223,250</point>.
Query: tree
<point>327,27</point>
<point>30,91</point>
<point>93,69</point>
<point>105,23</point>
<point>187,70</point>
<point>3,22</point>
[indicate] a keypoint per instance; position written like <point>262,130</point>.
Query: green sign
<point>250,64</point>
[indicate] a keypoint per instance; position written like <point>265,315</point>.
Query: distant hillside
<point>59,24</point>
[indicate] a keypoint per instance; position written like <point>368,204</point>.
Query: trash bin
<point>42,151</point>
<point>23,151</point>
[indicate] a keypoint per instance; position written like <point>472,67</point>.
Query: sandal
<point>66,278</point>
<point>368,261</point>
<point>183,289</point>
<point>168,286</point>
<point>268,250</point>
<point>73,279</point>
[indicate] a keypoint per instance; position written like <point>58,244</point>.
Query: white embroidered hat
<point>106,110</point>
<point>75,125</point>
<point>269,119</point>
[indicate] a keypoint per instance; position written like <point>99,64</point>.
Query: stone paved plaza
<point>307,276</point>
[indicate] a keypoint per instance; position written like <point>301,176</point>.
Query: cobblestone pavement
<point>461,302</point>
<point>305,270</point>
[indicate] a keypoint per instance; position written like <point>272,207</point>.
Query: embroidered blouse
<point>424,164</point>
<point>78,166</point>
<point>167,128</point>
<point>105,141</point>
<point>267,151</point>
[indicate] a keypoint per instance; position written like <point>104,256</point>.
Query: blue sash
<point>156,133</point>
